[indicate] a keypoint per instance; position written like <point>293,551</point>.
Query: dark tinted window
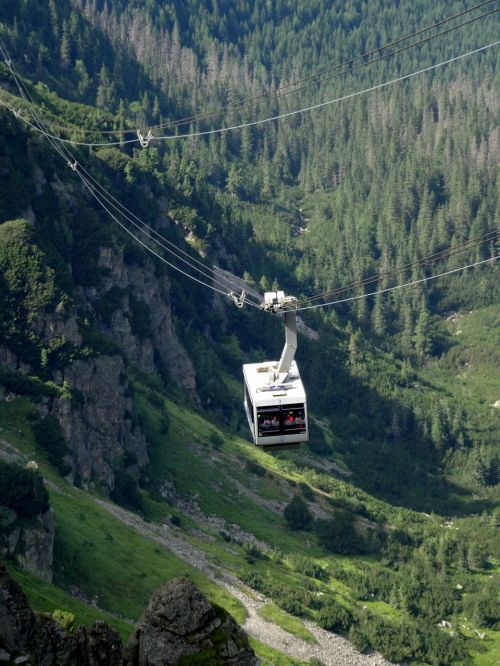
<point>284,420</point>
<point>269,420</point>
<point>294,419</point>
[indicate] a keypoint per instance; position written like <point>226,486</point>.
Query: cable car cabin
<point>277,413</point>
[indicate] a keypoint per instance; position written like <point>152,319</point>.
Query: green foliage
<point>308,567</point>
<point>338,535</point>
<point>27,285</point>
<point>65,619</point>
<point>126,492</point>
<point>19,382</point>
<point>254,468</point>
<point>334,616</point>
<point>50,437</point>
<point>297,515</point>
<point>110,302</point>
<point>22,490</point>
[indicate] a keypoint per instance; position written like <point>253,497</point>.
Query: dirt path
<point>331,649</point>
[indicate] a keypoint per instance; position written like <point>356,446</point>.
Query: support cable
<point>311,79</point>
<point>319,105</point>
<point>398,286</point>
<point>74,165</point>
<point>291,87</point>
<point>442,254</point>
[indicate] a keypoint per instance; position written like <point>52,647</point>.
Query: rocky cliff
<point>179,626</point>
<point>85,342</point>
<point>26,637</point>
<point>26,520</point>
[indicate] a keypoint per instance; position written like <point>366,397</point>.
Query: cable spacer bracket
<point>239,301</point>
<point>144,140</point>
<point>72,165</point>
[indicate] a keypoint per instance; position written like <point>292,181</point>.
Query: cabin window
<point>281,420</point>
<point>294,419</point>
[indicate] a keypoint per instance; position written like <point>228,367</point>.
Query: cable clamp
<point>144,139</point>
<point>73,165</point>
<point>239,301</point>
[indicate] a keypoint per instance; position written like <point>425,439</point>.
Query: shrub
<point>254,468</point>
<point>65,619</point>
<point>215,439</point>
<point>358,638</point>
<point>307,491</point>
<point>175,520</point>
<point>18,382</point>
<point>253,553</point>
<point>308,567</point>
<point>338,535</point>
<point>125,491</point>
<point>50,437</point>
<point>334,616</point>
<point>22,490</point>
<point>291,601</point>
<point>297,514</point>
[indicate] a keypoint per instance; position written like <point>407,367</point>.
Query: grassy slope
<point>123,568</point>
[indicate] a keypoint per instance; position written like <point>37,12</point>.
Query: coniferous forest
<point>388,519</point>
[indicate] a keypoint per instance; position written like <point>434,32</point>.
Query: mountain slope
<point>121,377</point>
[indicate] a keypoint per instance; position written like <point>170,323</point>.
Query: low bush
<point>50,437</point>
<point>126,492</point>
<point>22,490</point>
<point>333,616</point>
<point>254,468</point>
<point>297,514</point>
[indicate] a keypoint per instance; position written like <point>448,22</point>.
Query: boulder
<point>180,622</point>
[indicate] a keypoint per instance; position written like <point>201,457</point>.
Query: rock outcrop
<point>31,546</point>
<point>100,428</point>
<point>178,626</point>
<point>27,638</point>
<point>138,288</point>
<point>179,623</point>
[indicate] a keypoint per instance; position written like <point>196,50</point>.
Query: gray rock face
<point>31,546</point>
<point>141,284</point>
<point>180,622</point>
<point>100,428</point>
<point>24,637</point>
<point>37,547</point>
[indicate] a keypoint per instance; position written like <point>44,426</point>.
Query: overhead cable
<point>276,117</point>
<point>398,286</point>
<point>316,78</point>
<point>73,163</point>
<point>442,254</point>
<point>297,85</point>
<point>320,105</point>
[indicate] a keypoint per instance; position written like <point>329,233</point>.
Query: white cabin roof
<point>264,390</point>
